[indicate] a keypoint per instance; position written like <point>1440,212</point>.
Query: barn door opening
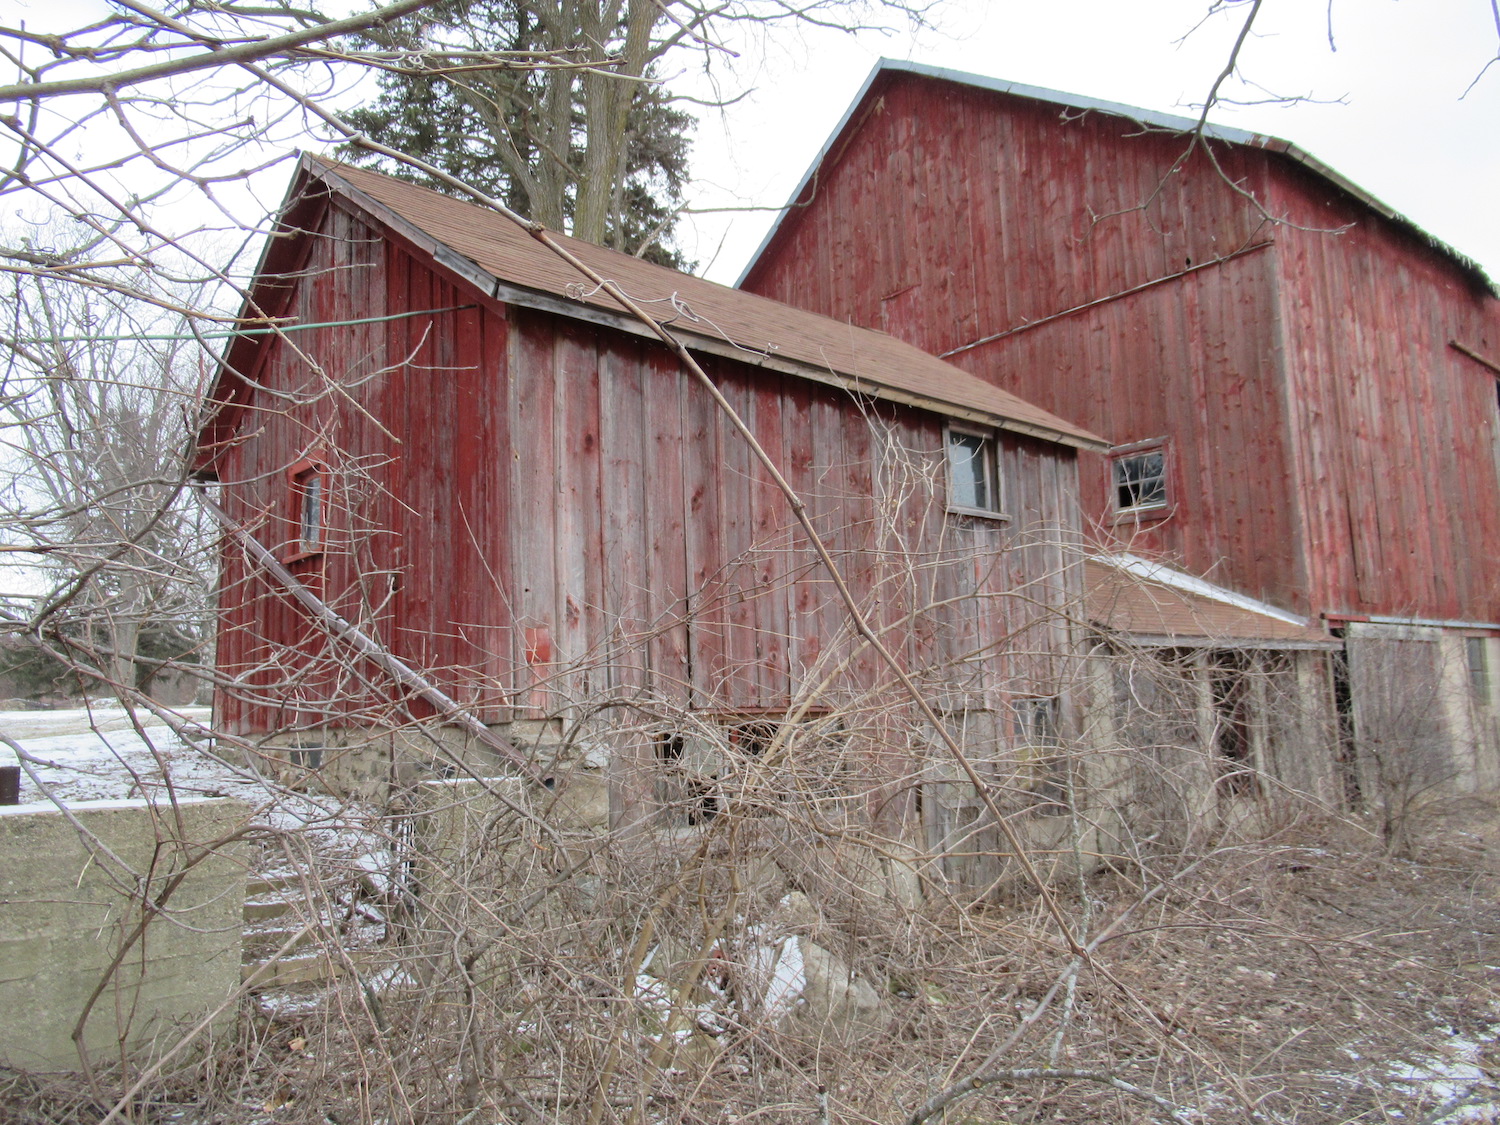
<point>1343,706</point>
<point>1229,684</point>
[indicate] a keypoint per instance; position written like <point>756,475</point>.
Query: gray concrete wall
<point>66,907</point>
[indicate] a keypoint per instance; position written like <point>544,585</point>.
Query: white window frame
<point>308,482</point>
<point>989,455</point>
<point>1477,664</point>
<point>1119,456</point>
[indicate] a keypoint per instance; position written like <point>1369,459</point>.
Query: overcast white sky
<point>1401,126</point>
<point>1395,119</point>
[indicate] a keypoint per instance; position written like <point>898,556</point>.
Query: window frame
<point>990,451</point>
<point>1477,666</point>
<point>310,470</point>
<point>1117,457</point>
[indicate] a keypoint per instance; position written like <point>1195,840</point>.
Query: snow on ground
<point>1457,1076</point>
<point>106,753</point>
<point>98,753</point>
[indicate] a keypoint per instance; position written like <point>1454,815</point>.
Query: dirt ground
<point>1310,978</point>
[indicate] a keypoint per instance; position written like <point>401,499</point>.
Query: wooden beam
<point>371,649</point>
<point>1475,356</point>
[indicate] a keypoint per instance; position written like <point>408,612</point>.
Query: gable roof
<point>504,262</point>
<point>1161,122</point>
<point>1150,603</point>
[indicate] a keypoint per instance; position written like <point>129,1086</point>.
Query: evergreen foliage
<point>584,142</point>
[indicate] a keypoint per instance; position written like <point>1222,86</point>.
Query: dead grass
<point>1295,979</point>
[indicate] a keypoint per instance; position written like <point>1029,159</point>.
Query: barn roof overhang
<point>1149,604</point>
<point>1146,118</point>
<point>504,264</point>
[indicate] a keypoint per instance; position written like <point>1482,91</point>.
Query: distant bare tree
<point>101,409</point>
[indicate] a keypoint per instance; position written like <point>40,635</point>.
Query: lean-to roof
<point>1151,603</point>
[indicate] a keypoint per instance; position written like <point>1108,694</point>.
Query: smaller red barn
<point>468,453</point>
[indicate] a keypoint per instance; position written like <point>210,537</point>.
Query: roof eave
<point>205,456</point>
<point>1203,641</point>
<point>512,293</point>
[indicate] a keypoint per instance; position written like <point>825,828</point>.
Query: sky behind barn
<point>1388,108</point>
<point>1389,111</point>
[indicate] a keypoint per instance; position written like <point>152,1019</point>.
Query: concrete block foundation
<point>68,908</point>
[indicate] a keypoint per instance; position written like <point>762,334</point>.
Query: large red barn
<point>1300,385</point>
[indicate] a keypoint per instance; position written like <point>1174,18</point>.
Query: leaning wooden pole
<point>365,645</point>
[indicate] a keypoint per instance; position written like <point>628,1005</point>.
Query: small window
<point>1477,649</point>
<point>973,482</point>
<point>1036,721</point>
<point>1139,477</point>
<point>307,756</point>
<point>309,481</point>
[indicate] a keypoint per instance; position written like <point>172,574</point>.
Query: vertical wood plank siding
<point>1327,450</point>
<point>542,513</point>
<point>1407,506</point>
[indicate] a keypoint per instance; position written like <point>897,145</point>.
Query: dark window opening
<point>1343,705</point>
<point>1229,682</point>
<point>689,797</point>
<point>1140,480</point>
<point>1037,735</point>
<point>753,739</point>
<point>308,757</point>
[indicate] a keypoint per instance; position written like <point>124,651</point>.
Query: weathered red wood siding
<point>542,514</point>
<point>978,213</point>
<point>415,500</point>
<point>956,213</point>
<point>1393,431</point>
<point>1287,378</point>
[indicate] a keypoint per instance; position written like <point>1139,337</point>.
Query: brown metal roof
<point>1153,604</point>
<point>706,315</point>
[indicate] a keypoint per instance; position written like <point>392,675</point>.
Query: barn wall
<point>262,636</point>
<point>952,213</point>
<point>1394,433</point>
<point>1164,363</point>
<point>542,514</point>
<point>1330,451</point>
<point>662,560</point>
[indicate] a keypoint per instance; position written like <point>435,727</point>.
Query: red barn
<point>473,456</point>
<point>1300,385</point>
